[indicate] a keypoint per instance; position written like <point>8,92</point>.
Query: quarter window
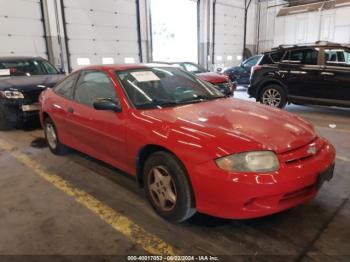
<point>337,57</point>
<point>65,88</point>
<point>92,86</point>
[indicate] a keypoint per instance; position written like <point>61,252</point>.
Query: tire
<point>52,140</point>
<point>172,183</point>
<point>273,95</point>
<point>5,123</point>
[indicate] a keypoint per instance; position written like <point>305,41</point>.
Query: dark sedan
<point>21,81</point>
<point>241,73</point>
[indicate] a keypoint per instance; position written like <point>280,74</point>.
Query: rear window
<point>28,67</point>
<point>272,58</point>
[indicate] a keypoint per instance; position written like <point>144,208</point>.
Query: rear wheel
<point>168,188</point>
<point>273,95</point>
<point>52,138</point>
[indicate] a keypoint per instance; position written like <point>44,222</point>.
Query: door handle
<point>70,110</point>
<point>327,73</point>
<point>298,72</point>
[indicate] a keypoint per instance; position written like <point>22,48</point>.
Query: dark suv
<point>303,74</point>
<point>21,81</point>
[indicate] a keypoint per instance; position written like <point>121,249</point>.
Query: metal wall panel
<point>100,31</point>
<point>229,31</point>
<point>21,28</point>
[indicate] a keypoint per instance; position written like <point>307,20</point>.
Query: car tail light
<point>255,68</point>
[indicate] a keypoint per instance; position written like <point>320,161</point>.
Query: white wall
<point>330,25</point>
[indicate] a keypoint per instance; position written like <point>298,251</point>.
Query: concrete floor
<point>38,219</point>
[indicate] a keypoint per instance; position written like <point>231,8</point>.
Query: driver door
<point>99,133</point>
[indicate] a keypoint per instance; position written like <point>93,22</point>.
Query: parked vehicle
<point>303,74</point>
<point>21,81</point>
<point>241,73</point>
<point>220,81</point>
<point>192,148</point>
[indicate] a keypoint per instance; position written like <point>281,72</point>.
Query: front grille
<point>302,153</point>
<point>31,97</point>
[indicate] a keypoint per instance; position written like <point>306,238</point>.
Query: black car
<point>21,81</point>
<point>241,73</point>
<point>316,73</point>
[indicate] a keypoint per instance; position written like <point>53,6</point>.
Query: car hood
<point>212,77</point>
<point>25,83</point>
<point>238,125</point>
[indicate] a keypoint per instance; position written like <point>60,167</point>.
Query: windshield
<point>28,67</point>
<point>163,86</point>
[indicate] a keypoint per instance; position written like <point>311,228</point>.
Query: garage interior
<point>77,208</point>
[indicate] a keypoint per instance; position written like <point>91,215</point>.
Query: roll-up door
<point>229,32</point>
<point>21,28</point>
<point>101,32</point>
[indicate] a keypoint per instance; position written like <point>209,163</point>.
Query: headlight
<point>12,94</point>
<point>255,161</point>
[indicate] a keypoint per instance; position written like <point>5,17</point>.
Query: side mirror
<point>219,70</point>
<point>107,104</point>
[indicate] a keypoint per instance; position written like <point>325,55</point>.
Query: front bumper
<point>19,111</point>
<point>250,195</point>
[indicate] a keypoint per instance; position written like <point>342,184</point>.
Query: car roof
<point>16,58</point>
<point>122,67</point>
<point>306,45</point>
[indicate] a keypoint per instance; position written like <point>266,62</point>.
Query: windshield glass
<point>28,67</point>
<point>163,86</point>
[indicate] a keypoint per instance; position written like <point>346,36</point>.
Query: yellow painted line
<point>343,158</point>
<point>149,242</point>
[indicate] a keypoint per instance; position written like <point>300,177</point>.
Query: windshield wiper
<point>196,99</point>
<point>160,102</point>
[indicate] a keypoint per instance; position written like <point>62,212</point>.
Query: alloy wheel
<point>162,188</point>
<point>51,135</point>
<point>272,97</point>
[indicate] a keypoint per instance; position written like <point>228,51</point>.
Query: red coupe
<point>189,146</point>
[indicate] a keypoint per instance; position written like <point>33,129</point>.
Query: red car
<point>220,81</point>
<point>192,148</point>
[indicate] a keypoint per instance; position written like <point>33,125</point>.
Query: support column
<point>54,33</point>
<point>145,30</point>
<point>205,29</point>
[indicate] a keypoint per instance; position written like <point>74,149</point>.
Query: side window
<point>65,88</point>
<point>276,57</point>
<point>337,57</point>
<point>191,68</point>
<point>296,56</point>
<point>94,85</point>
<point>310,57</point>
<point>303,56</point>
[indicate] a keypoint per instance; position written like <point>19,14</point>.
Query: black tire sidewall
<point>184,207</point>
<point>277,88</point>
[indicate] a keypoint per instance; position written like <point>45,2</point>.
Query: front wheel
<point>167,187</point>
<point>273,95</point>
